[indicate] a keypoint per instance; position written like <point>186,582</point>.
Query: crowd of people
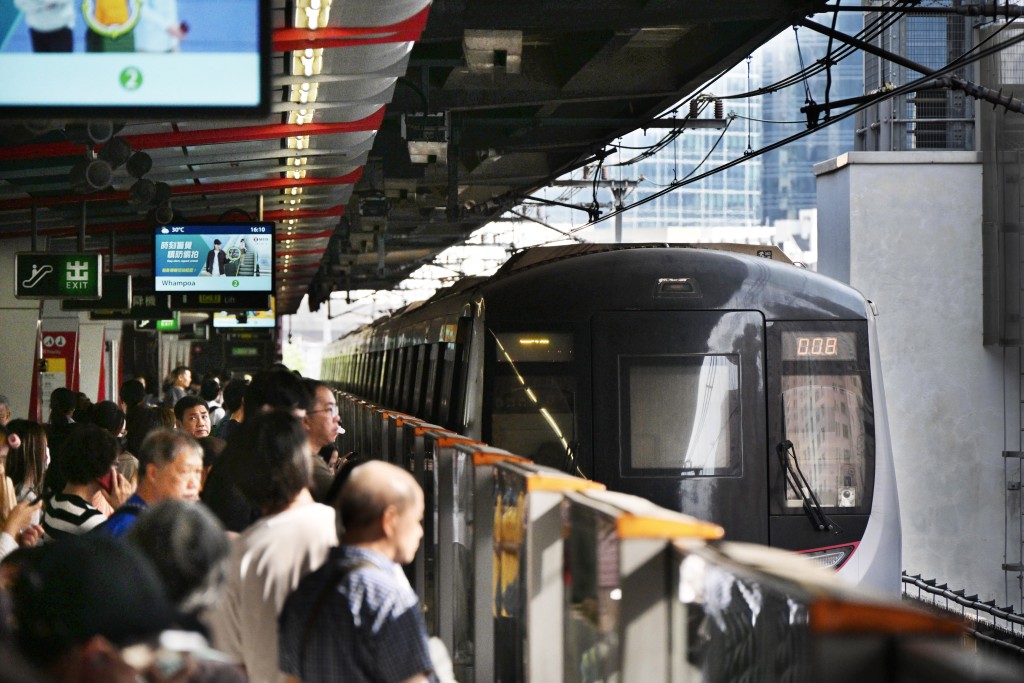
<point>216,534</point>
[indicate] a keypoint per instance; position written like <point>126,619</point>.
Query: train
<point>720,381</point>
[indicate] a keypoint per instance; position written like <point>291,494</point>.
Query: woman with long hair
<point>26,465</point>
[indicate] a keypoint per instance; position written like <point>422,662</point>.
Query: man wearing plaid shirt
<point>357,619</point>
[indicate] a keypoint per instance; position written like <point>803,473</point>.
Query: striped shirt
<point>357,620</point>
<point>66,514</point>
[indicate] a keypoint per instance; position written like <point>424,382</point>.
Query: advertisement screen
<point>135,56</point>
<point>214,258</point>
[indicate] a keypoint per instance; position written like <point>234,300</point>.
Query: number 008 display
<point>815,346</point>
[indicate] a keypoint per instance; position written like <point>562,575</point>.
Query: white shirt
<point>151,32</point>
<point>48,15</point>
<point>267,561</point>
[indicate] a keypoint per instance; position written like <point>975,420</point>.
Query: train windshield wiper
<point>801,487</point>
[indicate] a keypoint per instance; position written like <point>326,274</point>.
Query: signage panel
<point>143,307</point>
<point>117,295</point>
<point>57,368</point>
<point>171,324</point>
<point>216,301</point>
<point>40,275</point>
<point>219,257</point>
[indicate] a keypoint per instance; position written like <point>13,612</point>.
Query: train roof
<point>533,256</point>
<point>562,284</point>
<point>552,283</point>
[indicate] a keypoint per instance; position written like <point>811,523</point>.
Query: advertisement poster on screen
<point>135,57</point>
<point>192,259</point>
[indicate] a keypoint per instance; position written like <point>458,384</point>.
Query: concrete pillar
<point>905,229</point>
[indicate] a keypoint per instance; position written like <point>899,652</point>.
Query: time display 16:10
<point>803,346</point>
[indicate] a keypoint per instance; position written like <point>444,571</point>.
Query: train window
<point>534,347</point>
<point>420,381</point>
<point>682,414</point>
<point>534,398</point>
<point>405,400</point>
<point>430,392</point>
<point>825,414</point>
<point>444,393</point>
<point>824,418</point>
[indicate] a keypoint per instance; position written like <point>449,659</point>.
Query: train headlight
<point>831,558</point>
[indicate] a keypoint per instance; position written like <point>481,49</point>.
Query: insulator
<point>694,109</point>
<point>719,109</point>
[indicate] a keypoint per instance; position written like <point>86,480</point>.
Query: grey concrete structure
<point>905,229</point>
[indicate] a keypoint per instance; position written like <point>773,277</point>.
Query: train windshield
<point>826,415</point>
<point>683,414</point>
<point>534,397</point>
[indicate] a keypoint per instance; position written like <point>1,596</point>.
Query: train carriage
<point>734,387</point>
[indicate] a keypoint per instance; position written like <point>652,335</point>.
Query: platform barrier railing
<point>530,574</point>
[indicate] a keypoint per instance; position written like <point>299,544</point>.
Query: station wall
<point>18,319</point>
<point>905,229</point>
<point>97,371</point>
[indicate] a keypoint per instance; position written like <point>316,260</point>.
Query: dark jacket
<point>222,258</point>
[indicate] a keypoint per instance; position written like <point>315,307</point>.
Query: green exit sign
<point>58,276</point>
<point>171,325</point>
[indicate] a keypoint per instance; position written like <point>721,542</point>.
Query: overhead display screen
<point>135,57</point>
<point>214,258</point>
<point>248,319</point>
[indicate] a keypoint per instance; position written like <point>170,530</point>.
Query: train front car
<point>734,388</point>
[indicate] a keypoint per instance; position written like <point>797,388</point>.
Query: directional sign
<point>242,301</point>
<point>117,295</point>
<point>143,307</point>
<point>170,325</point>
<point>58,276</point>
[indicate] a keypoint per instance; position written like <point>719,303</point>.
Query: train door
<point>679,413</point>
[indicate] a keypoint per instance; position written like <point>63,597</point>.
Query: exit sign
<point>58,276</point>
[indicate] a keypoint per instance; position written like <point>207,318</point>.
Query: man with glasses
<point>323,427</point>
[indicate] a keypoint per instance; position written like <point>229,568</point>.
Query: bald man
<point>357,618</point>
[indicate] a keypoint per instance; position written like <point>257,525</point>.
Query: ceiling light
<point>308,62</point>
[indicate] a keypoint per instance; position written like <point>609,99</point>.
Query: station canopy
<point>395,130</point>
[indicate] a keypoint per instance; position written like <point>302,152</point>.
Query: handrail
<point>959,597</point>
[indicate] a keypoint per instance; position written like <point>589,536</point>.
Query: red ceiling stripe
<point>300,252</point>
<point>282,237</point>
<point>293,39</point>
<point>209,136</point>
<point>408,30</point>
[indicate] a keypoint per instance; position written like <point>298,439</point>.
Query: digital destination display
<point>819,346</point>
<point>214,258</point>
<point>135,56</point>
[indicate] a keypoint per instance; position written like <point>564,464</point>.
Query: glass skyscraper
<point>763,188</point>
